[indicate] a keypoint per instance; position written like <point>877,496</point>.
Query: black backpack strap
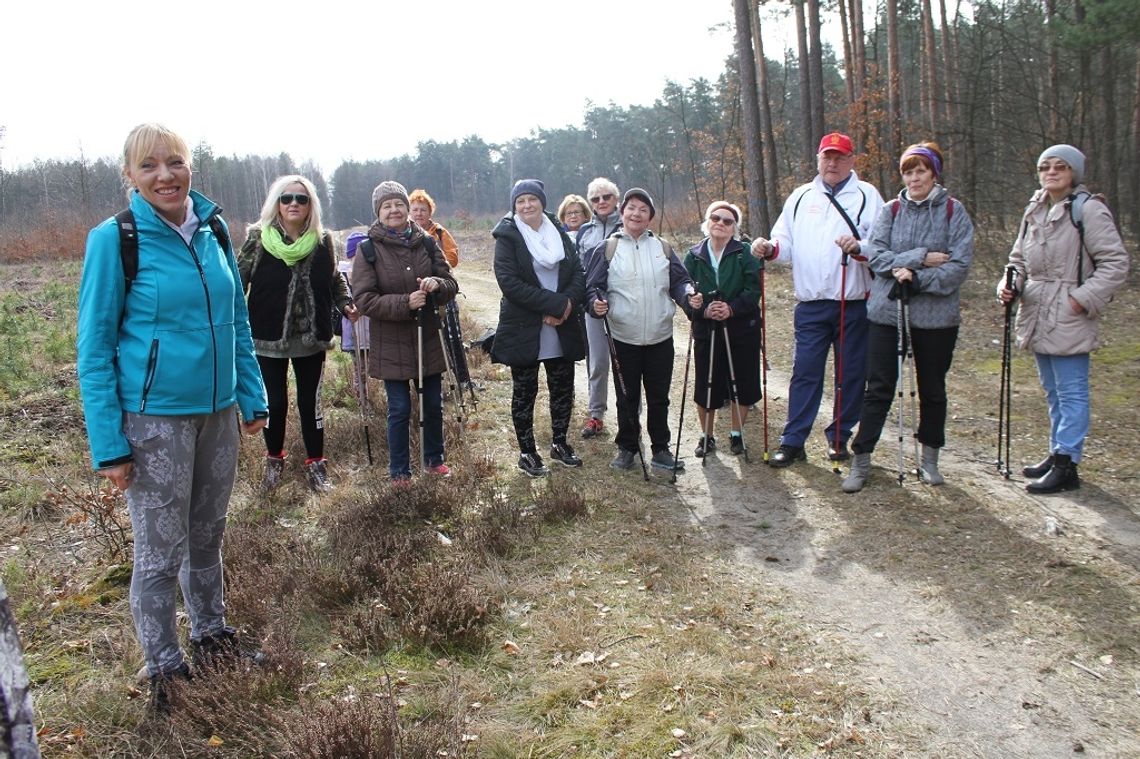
<point>365,248</point>
<point>843,213</point>
<point>128,246</point>
<point>219,230</point>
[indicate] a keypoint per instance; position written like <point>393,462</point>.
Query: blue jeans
<point>399,414</point>
<point>1066,383</point>
<point>816,335</point>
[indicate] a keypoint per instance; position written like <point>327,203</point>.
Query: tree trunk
<point>749,104</point>
<point>1052,97</point>
<point>815,57</point>
<point>1110,166</point>
<point>1134,176</point>
<point>1084,88</point>
<point>771,167</point>
<point>949,59</point>
<point>894,97</point>
<point>807,157</point>
<point>858,47</point>
<point>848,61</point>
<point>930,55</point>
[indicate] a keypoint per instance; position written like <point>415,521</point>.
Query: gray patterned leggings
<point>183,475</point>
<point>524,391</point>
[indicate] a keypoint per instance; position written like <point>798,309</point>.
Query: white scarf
<point>544,244</point>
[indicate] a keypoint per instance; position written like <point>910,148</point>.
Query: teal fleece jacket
<point>177,344</point>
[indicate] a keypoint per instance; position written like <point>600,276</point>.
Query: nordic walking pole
<point>361,384</point>
<point>837,420</point>
<point>1005,391</point>
<point>420,380</point>
<point>913,375</point>
<point>448,368</point>
<point>764,358</point>
<point>684,400</point>
<point>709,418</point>
<point>734,403</point>
<point>616,366</point>
<point>900,352</point>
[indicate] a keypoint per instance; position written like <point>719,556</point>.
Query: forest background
<point>992,82</point>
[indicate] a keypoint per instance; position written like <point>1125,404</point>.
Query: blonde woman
<point>289,265</point>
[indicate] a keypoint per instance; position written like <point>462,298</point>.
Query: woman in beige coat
<point>1068,261</point>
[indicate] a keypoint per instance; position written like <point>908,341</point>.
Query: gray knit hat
<point>640,194</point>
<point>385,191</point>
<point>1071,156</point>
<point>528,187</point>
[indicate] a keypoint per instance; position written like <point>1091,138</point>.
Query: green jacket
<point>737,282</point>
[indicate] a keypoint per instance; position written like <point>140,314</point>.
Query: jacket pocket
<point>148,376</point>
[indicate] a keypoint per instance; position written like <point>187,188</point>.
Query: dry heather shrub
<point>262,573</point>
<point>241,703</point>
<point>369,629</point>
<point>367,727</point>
<point>500,524</point>
<point>439,605</point>
<point>561,505</point>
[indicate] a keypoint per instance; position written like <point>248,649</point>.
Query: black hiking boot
<point>224,649</point>
<point>564,454</point>
<point>164,688</point>
<point>786,455</point>
<point>1040,469</point>
<point>705,445</point>
<point>1062,476</point>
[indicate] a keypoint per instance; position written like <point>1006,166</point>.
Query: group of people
<point>183,344</point>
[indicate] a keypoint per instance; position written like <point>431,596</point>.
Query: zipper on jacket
<point>209,318</point>
<point>148,380</point>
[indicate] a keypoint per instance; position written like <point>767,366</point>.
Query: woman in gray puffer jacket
<point>1065,279</point>
<point>922,241</point>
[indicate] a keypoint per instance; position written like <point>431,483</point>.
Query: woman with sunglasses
<point>1068,261</point>
<point>728,276</point>
<point>164,359</point>
<point>288,264</point>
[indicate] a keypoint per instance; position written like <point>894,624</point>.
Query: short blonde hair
<point>420,195</point>
<point>570,200</point>
<point>271,213</point>
<point>601,184</point>
<point>142,141</point>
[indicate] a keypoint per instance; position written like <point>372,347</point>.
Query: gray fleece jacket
<point>901,238</point>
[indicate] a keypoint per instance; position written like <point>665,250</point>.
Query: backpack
<point>1077,218</point>
<point>129,243</point>
<point>612,243</point>
<point>369,252</point>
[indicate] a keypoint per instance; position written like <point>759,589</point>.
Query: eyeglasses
<point>599,198</point>
<point>288,198</point>
<point>726,220</point>
<point>1047,167</point>
<point>574,212</point>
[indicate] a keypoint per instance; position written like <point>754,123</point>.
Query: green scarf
<point>290,253</point>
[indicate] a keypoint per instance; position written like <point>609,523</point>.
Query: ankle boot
<point>1040,469</point>
<point>929,469</point>
<point>1062,476</point>
<point>857,477</point>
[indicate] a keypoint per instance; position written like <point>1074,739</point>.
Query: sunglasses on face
<point>1046,167</point>
<point>726,220</point>
<point>288,198</point>
<point>599,198</point>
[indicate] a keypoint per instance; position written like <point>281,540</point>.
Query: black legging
<point>307,371</point>
<point>524,390</point>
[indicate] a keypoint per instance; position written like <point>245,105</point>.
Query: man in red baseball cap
<point>820,233</point>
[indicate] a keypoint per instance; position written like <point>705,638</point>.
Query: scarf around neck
<point>544,244</point>
<point>289,252</point>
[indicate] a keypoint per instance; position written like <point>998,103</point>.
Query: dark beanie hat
<point>640,194</point>
<point>529,187</point>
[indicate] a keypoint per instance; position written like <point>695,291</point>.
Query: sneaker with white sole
<point>531,463</point>
<point>624,459</point>
<point>564,455</point>
<point>664,460</point>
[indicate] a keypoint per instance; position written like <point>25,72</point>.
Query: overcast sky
<point>334,80</point>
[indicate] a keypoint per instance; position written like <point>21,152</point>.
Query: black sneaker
<point>164,688</point>
<point>736,444</point>
<point>786,455</point>
<point>665,460</point>
<point>704,446</point>
<point>531,463</point>
<point>564,454</point>
<point>841,455</point>
<point>224,649</point>
<point>624,459</point>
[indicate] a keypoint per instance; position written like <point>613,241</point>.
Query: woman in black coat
<point>540,319</point>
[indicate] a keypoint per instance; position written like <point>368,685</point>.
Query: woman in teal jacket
<point>728,276</point>
<point>163,360</point>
